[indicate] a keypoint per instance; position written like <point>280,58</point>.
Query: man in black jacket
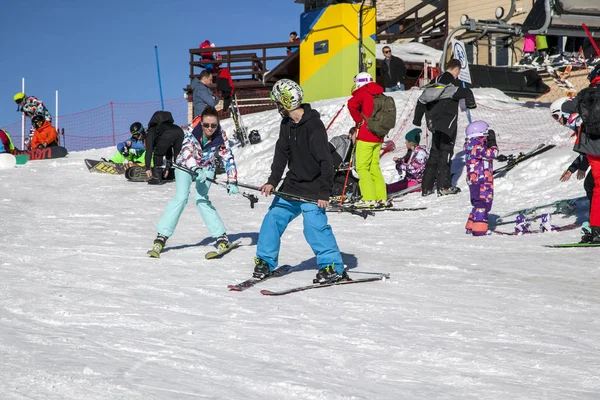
<point>393,71</point>
<point>164,139</point>
<point>439,104</point>
<point>303,148</point>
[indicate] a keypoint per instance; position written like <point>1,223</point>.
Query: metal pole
<point>56,117</point>
<point>22,117</point>
<point>360,38</point>
<point>112,117</point>
<point>162,103</point>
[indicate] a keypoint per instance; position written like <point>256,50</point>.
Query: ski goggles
<point>206,125</point>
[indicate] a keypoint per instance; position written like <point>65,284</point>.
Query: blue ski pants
<point>317,232</point>
<point>183,181</point>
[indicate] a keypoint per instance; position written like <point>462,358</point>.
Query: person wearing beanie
<point>480,151</point>
<point>412,166</point>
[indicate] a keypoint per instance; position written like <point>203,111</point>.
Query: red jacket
<point>362,101</point>
<point>224,73</point>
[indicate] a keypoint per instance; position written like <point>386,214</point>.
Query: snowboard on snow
<point>138,174</point>
<point>404,192</point>
<point>104,167</point>
<point>568,245</point>
<point>566,206</point>
<point>22,159</point>
<point>43,154</point>
<point>7,161</point>
<point>513,160</point>
<point>556,229</point>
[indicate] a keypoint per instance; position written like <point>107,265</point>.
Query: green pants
<point>371,182</point>
<point>119,159</point>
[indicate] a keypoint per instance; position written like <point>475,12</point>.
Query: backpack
<point>588,107</point>
<point>383,117</point>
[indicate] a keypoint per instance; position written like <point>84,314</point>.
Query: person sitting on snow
<point>6,144</point>
<point>44,134</point>
<point>412,166</point>
<point>343,156</point>
<point>480,151</point>
<point>132,149</point>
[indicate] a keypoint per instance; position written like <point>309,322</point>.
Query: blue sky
<point>97,52</point>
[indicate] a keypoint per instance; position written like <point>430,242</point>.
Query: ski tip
<point>267,292</point>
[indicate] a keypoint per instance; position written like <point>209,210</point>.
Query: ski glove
<point>232,189</point>
<point>200,174</point>
<point>491,140</point>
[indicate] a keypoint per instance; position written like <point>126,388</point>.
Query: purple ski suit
<point>480,178</point>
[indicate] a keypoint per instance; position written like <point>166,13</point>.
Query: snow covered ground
<point>86,315</point>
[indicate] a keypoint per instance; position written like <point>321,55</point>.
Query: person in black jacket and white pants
<point>303,148</point>
<point>393,71</point>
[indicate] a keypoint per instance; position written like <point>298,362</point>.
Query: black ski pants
<point>588,185</point>
<point>437,169</point>
<point>167,144</point>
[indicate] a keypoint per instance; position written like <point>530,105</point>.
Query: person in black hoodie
<point>163,139</point>
<point>303,148</point>
<point>439,104</point>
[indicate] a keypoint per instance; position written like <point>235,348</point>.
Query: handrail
<point>413,10</point>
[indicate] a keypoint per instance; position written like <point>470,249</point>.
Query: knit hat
<point>414,135</point>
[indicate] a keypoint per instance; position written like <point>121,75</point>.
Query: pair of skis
<point>286,269</point>
<point>513,160</point>
<point>241,132</point>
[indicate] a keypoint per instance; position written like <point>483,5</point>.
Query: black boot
<point>261,269</point>
<point>156,177</point>
<point>595,235</point>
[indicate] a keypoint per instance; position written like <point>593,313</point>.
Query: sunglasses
<point>213,126</point>
<point>556,117</point>
<point>387,51</point>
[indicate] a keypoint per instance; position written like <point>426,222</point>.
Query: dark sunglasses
<point>386,51</point>
<point>214,126</point>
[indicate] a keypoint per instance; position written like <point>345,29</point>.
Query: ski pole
<point>253,199</point>
<point>334,117</point>
<point>341,208</point>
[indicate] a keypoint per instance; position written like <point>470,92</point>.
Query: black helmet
<point>37,119</point>
<point>254,136</point>
<point>137,130</point>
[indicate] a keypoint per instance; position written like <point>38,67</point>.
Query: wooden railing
<point>247,63</point>
<point>413,24</point>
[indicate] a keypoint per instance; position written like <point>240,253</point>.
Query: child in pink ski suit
<point>412,166</point>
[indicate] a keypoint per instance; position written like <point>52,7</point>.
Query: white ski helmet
<point>556,108</point>
<point>287,93</point>
<point>477,129</point>
<point>361,79</point>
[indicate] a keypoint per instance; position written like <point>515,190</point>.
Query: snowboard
<point>104,167</point>
<point>7,161</point>
<point>566,206</point>
<point>568,245</point>
<point>43,154</point>
<point>138,174</point>
<point>513,160</point>
<point>22,159</point>
<point>211,255</point>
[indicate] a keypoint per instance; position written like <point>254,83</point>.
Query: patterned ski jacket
<point>193,155</point>
<point>33,106</point>
<point>478,160</point>
<point>413,164</point>
<point>6,144</point>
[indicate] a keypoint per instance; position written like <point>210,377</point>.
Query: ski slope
<point>86,315</point>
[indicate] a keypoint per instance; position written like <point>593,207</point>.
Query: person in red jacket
<point>371,183</point>
<point>44,134</point>
<point>225,86</point>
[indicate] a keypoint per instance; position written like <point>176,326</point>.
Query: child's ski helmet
<point>556,108</point>
<point>476,129</point>
<point>361,79</point>
<point>254,136</point>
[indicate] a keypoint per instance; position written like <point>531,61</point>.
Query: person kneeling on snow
<point>343,156</point>
<point>133,149</point>
<point>44,134</point>
<point>480,149</point>
<point>412,166</point>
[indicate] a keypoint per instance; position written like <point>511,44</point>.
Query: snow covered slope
<point>86,315</point>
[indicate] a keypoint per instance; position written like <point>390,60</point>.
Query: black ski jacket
<point>304,149</point>
<point>586,143</point>
<point>163,138</point>
<point>580,163</point>
<point>442,114</point>
<point>394,74</point>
